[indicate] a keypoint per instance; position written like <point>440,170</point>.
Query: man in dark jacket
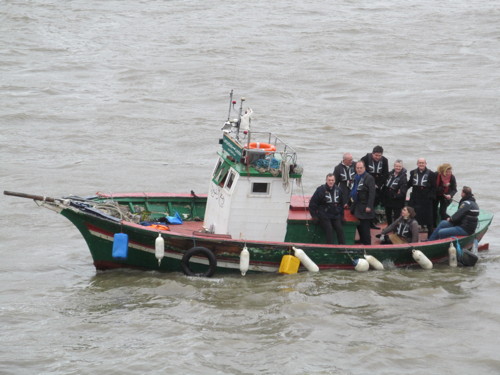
<point>377,165</point>
<point>344,175</point>
<point>327,206</point>
<point>422,183</point>
<point>363,198</point>
<point>463,222</point>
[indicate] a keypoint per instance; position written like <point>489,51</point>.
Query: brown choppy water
<point>130,96</point>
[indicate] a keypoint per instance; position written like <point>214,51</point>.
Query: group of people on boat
<point>366,184</point>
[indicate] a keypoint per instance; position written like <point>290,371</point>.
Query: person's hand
<point>368,209</point>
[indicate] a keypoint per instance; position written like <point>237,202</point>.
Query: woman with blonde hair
<point>446,188</point>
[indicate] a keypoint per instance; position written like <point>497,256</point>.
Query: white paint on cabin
<point>235,208</point>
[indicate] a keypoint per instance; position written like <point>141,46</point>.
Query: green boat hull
<point>98,231</point>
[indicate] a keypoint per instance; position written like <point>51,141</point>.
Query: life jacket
<point>347,175</point>
<point>393,182</point>
<point>422,180</point>
<point>362,191</point>
<point>471,218</point>
<point>332,198</point>
<point>404,229</point>
<point>330,202</point>
<point>374,167</point>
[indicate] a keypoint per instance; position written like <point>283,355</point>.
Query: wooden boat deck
<point>299,211</point>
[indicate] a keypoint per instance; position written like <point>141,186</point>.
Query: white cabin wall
<point>247,215</point>
<point>217,214</point>
<point>259,217</point>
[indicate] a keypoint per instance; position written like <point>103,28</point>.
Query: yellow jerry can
<point>289,264</point>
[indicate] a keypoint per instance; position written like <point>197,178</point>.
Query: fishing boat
<point>249,221</point>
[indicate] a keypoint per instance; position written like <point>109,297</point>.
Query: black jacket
<point>423,184</point>
<point>344,178</point>
<point>365,198</point>
<point>378,169</point>
<point>327,203</point>
<point>467,215</point>
<point>395,189</point>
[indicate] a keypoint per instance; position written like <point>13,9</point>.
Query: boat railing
<point>283,150</point>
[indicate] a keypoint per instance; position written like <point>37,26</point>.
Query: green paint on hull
<point>265,256</point>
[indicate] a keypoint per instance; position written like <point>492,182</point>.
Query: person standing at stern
<point>327,206</point>
<point>377,165</point>
<point>395,192</point>
<point>363,199</point>
<point>344,176</point>
<point>422,183</point>
<point>446,188</point>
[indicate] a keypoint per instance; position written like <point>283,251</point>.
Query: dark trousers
<point>443,204</point>
<point>364,231</point>
<point>330,225</point>
<point>424,208</point>
<point>392,213</point>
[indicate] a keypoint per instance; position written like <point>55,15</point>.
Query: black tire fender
<point>200,251</point>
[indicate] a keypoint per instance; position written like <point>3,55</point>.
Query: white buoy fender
<point>159,248</point>
<point>374,262</point>
<point>421,259</point>
<point>305,260</point>
<point>361,265</point>
<point>244,261</point>
<point>452,255</point>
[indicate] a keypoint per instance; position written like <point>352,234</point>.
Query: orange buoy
<point>262,146</point>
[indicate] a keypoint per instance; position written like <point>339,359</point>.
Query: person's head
<point>408,212</point>
<point>466,192</point>
<point>445,169</point>
<point>421,164</point>
<point>360,167</point>
<point>377,153</point>
<point>398,165</point>
<point>347,159</point>
<point>330,179</point>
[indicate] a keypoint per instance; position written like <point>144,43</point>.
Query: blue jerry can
<point>120,245</point>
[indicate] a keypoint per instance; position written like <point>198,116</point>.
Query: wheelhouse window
<point>220,173</point>
<point>230,180</point>
<point>260,188</point>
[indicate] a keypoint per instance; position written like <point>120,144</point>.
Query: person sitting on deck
<point>404,228</point>
<point>326,204</point>
<point>463,222</point>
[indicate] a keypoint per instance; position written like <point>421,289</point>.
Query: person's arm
<point>314,204</point>
<point>402,188</point>
<point>391,227</point>
<point>433,185</point>
<point>453,186</point>
<point>371,193</point>
<point>414,231</point>
<point>385,168</point>
<point>410,181</point>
